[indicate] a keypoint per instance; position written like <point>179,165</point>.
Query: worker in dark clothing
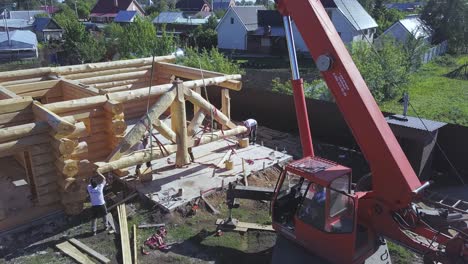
<point>141,145</point>
<point>192,158</point>
<point>251,125</point>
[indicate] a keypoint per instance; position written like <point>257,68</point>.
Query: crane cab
<point>314,206</point>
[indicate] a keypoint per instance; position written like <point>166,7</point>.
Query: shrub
<point>211,60</point>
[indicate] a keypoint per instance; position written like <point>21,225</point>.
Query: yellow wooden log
<point>16,132</point>
<point>60,125</point>
<point>180,121</point>
<point>135,135</point>
<point>64,145</point>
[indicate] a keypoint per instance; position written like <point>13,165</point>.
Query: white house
<point>411,26</point>
<point>235,25</point>
<point>254,29</point>
<point>351,20</point>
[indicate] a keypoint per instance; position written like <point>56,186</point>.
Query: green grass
<point>435,96</point>
<point>400,254</point>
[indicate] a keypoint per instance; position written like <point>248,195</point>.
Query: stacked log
<point>73,168</point>
<point>116,126</point>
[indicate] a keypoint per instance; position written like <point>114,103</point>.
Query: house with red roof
<point>106,10</point>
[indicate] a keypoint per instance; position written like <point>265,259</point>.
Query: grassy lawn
<point>435,96</point>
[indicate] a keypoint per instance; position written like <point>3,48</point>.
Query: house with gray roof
<point>15,24</point>
<point>180,22</point>
<point>257,30</point>
<point>410,26</point>
<point>47,29</point>
<point>17,45</point>
<point>125,17</point>
<point>351,20</point>
<point>27,15</point>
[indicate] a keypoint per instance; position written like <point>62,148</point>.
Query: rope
<point>148,128</point>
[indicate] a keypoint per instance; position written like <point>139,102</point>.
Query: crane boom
<point>394,178</point>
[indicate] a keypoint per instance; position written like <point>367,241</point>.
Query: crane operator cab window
<point>329,209</point>
<point>289,199</point>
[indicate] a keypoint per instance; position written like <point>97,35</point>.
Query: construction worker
<point>251,125</point>
<point>96,195</point>
<point>142,144</point>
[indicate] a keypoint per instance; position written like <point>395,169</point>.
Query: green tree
<point>449,20</point>
<point>385,17</point>
<point>83,7</point>
<point>139,39</point>
<point>79,45</point>
<point>384,67</point>
<point>211,60</point>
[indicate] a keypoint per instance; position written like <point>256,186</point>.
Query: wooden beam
<point>164,130</point>
<point>114,107</point>
<point>178,116</point>
<point>32,87</point>
<point>15,104</point>
<point>100,66</point>
<point>139,157</point>
<point>74,253</point>
<point>115,77</point>
<point>135,135</point>
<point>196,74</point>
<point>10,147</point>
<point>77,104</point>
<point>197,99</point>
<point>59,124</point>
<point>196,122</point>
<point>226,103</point>
<point>124,237</point>
<point>17,132</point>
<point>6,94</point>
<point>91,91</point>
<point>84,75</point>
<point>135,245</point>
<point>89,250</point>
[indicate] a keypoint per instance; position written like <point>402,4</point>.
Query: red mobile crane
<point>320,211</point>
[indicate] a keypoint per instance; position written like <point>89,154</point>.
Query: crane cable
<point>149,127</point>
<point>412,107</point>
<point>205,90</point>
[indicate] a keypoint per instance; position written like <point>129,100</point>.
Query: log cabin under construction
<point>59,125</point>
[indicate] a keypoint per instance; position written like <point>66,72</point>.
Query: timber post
<point>179,123</point>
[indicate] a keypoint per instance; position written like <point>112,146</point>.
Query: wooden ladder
<point>445,201</point>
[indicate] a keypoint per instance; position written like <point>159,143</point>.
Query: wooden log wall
<point>73,167</point>
<point>71,92</point>
<point>15,111</point>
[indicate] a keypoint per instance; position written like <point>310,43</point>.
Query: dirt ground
<point>193,238</point>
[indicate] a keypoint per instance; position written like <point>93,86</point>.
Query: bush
<point>316,89</point>
<point>446,61</point>
<point>211,60</point>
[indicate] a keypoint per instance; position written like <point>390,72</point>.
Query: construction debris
<point>151,225</point>
<point>74,253</point>
<point>236,225</point>
<point>89,250</point>
<point>124,237</point>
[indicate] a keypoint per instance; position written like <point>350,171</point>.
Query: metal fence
<point>435,51</point>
